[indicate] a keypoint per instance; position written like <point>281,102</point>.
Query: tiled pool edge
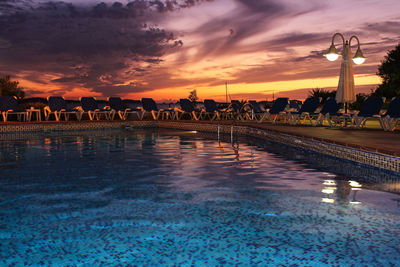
<point>74,126</point>
<point>373,159</point>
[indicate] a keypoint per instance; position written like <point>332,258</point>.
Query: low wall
<point>73,126</point>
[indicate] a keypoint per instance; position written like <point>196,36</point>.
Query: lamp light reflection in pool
<point>328,190</point>
<point>327,200</point>
<point>355,185</point>
<point>329,182</point>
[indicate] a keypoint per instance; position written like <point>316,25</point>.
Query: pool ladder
<point>218,132</point>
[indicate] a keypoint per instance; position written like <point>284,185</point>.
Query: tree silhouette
<point>10,88</point>
<point>193,97</point>
<point>389,71</point>
<point>320,92</point>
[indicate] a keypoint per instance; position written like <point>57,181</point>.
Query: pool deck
<point>370,139</point>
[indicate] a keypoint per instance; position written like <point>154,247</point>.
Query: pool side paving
<point>375,140</point>
<point>366,139</point>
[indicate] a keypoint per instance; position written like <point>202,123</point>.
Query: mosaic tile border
<point>373,159</point>
<point>74,126</point>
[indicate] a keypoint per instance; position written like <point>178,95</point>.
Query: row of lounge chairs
<point>371,108</point>
<point>58,109</point>
<point>243,111</point>
<point>329,112</point>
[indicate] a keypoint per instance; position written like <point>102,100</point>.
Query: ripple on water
<point>163,199</point>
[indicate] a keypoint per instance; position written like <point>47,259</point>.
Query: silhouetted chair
<point>117,106</point>
<point>90,107</point>
<point>306,111</point>
<point>329,109</point>
<point>210,110</point>
<point>237,111</point>
<point>57,106</point>
<point>256,111</point>
<point>277,110</point>
<point>186,108</point>
<point>391,118</point>
<point>369,109</point>
<point>9,106</point>
<point>150,106</point>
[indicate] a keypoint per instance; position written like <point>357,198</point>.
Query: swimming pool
<point>163,198</point>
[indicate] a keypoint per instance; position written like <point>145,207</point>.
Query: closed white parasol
<point>346,91</point>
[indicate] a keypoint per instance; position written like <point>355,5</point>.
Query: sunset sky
<point>166,48</point>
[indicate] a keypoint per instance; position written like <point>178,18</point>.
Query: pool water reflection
<point>167,197</point>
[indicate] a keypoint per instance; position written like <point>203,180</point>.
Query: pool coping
<point>363,155</point>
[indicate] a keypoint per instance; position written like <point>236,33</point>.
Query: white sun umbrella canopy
<point>346,92</point>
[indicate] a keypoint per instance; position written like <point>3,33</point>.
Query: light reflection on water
<point>191,164</point>
<point>161,185</point>
<point>194,162</point>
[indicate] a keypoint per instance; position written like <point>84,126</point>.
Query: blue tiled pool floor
<point>167,198</point>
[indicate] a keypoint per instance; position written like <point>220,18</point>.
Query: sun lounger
<point>186,108</point>
<point>306,111</point>
<point>90,107</point>
<point>277,110</point>
<point>210,110</point>
<point>57,106</point>
<point>231,111</point>
<point>9,106</point>
<point>369,109</point>
<point>391,119</point>
<point>117,106</point>
<point>294,104</point>
<point>329,110</point>
<point>256,111</point>
<point>150,107</point>
<point>237,111</point>
<point>54,106</point>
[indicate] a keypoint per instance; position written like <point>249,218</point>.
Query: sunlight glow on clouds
<point>164,49</point>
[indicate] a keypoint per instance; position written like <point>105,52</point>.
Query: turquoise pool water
<point>165,198</point>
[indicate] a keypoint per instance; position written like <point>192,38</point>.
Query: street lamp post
<point>345,92</point>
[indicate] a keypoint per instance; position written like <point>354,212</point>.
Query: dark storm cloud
<point>97,47</point>
<point>12,5</point>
